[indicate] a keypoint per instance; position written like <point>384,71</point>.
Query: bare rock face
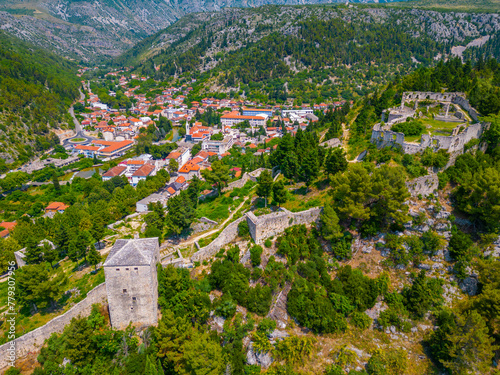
<point>256,358</point>
<point>469,285</point>
<point>375,311</point>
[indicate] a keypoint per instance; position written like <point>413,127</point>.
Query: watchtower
<point>132,282</point>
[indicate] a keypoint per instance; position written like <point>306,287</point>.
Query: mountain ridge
<point>94,31</point>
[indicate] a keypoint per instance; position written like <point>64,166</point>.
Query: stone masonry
<point>383,136</point>
<point>262,227</point>
<point>132,282</point>
<point>34,340</point>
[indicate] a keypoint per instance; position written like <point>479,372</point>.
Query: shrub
<point>268,243</point>
<point>361,320</point>
<point>388,362</point>
<point>294,348</point>
<point>243,229</point>
<point>226,309</point>
<point>409,128</point>
<point>255,255</point>
<point>266,326</point>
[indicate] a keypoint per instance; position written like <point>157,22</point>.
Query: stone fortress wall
<point>383,136</point>
<point>265,226</point>
<point>261,227</point>
<point>34,340</point>
<point>227,235</point>
<point>253,176</point>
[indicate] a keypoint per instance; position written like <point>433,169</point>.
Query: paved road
<point>78,127</point>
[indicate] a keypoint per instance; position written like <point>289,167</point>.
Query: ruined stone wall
<point>424,185</point>
<point>452,143</point>
<point>253,176</point>
<point>261,227</point>
<point>441,97</point>
<point>266,226</point>
<point>226,236</point>
<point>33,341</point>
<point>464,103</point>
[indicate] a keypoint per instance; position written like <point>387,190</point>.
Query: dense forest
<point>36,90</point>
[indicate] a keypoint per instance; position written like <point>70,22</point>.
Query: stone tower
<point>132,282</point>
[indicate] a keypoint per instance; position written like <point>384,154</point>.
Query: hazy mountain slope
<point>36,89</point>
<point>90,30</point>
<point>305,51</point>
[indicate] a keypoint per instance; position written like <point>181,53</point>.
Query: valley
<point>244,188</point>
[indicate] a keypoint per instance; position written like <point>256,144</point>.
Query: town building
<point>233,118</point>
<point>219,147</point>
<point>181,155</point>
<point>257,112</point>
<point>132,282</point>
<point>142,173</point>
<point>114,172</point>
<point>143,204</point>
<point>55,207</point>
<point>7,228</point>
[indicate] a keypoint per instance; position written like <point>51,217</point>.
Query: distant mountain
<point>92,30</point>
<point>307,52</point>
<point>36,90</point>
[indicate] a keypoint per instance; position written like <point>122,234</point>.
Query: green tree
<point>219,175</point>
<point>351,191</point>
<point>150,367</point>
<point>255,255</point>
<point>37,288</point>
<point>336,161</point>
<point>94,257</point>
<point>173,166</point>
<point>55,181</point>
<point>280,194</point>
<point>265,185</point>
<point>7,248</point>
<point>424,294</point>
<point>202,356</point>
<point>470,349</point>
<point>50,253</point>
<point>80,346</point>
<point>330,228</point>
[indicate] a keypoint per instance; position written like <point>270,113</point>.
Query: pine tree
<point>279,193</point>
<point>55,181</point>
<point>94,257</point>
<point>330,228</point>
<point>150,367</point>
<point>265,185</point>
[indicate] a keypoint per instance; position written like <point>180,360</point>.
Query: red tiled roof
<point>115,171</point>
<point>180,180</point>
<point>135,162</point>
<point>56,206</point>
<point>144,171</point>
<point>174,155</point>
<point>87,148</point>
<point>8,226</point>
<point>171,190</point>
<point>116,146</point>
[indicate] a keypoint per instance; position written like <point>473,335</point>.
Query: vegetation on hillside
<point>36,90</point>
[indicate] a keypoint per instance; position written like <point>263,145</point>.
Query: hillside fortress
<point>383,136</point>
<point>132,282</point>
